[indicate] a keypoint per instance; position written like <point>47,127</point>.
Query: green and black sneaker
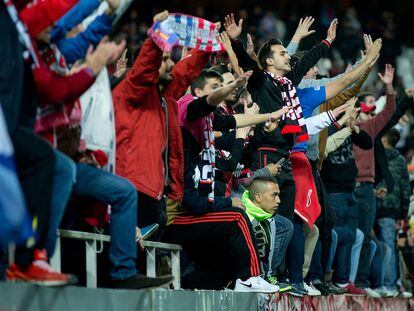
<point>283,287</point>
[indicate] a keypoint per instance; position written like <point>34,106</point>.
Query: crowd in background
<point>276,169</point>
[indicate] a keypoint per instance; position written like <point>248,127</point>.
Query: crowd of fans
<point>269,165</point>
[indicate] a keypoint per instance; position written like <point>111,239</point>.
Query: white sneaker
<point>372,293</point>
<point>406,295</point>
<point>386,292</point>
<point>311,290</point>
<point>255,284</point>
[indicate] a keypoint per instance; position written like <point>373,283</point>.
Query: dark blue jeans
<point>122,196</point>
<point>364,193</point>
<point>65,175</point>
<point>377,252</point>
<point>283,229</point>
<point>387,230</point>
<point>346,210</point>
<point>295,254</point>
<point>342,259</point>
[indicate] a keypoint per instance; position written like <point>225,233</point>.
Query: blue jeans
<point>387,234</point>
<point>295,254</point>
<point>283,228</point>
<point>364,193</point>
<point>342,259</point>
<point>346,209</point>
<point>63,180</point>
<point>122,196</point>
<point>378,251</point>
<point>332,251</point>
<point>355,253</point>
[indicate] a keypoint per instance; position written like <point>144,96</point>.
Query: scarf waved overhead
<point>292,122</point>
<point>185,30</point>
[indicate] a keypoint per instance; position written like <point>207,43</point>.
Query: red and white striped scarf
<point>185,30</point>
<point>292,122</point>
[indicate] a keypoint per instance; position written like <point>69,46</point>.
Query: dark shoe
<point>322,287</point>
<point>298,290</point>
<point>336,290</point>
<point>283,287</point>
<point>141,281</point>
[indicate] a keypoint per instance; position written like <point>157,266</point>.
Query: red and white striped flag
<point>185,30</point>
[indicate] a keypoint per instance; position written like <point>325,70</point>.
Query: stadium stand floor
<point>25,297</point>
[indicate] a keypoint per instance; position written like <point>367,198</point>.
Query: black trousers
<point>35,162</point>
<point>326,220</point>
<point>220,243</point>
<point>151,211</point>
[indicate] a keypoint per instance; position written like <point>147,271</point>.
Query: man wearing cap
<point>365,162</point>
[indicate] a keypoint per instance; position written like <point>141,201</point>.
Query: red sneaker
<point>39,272</point>
<point>352,290</point>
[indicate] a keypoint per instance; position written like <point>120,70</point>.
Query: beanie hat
<point>40,14</point>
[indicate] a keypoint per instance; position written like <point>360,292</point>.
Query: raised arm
<point>232,56</point>
<point>400,110</point>
<point>75,48</point>
<point>54,88</point>
<point>346,95</point>
<point>302,31</point>
<point>185,72</point>
<point>335,87</point>
<point>71,19</point>
<point>376,124</point>
<point>312,57</point>
<point>234,30</point>
<point>144,73</point>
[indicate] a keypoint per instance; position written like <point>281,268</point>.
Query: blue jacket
<point>75,48</point>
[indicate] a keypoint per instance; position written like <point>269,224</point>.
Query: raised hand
<point>303,29</point>
<point>161,16</point>
<point>373,51</point>
<point>388,75</point>
<point>233,30</point>
<point>121,65</point>
<point>367,41</point>
<point>331,34</point>
<point>341,109</point>
<point>105,53</point>
<point>242,79</point>
<point>224,38</point>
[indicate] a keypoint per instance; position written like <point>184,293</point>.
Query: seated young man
<point>261,202</point>
<point>214,231</point>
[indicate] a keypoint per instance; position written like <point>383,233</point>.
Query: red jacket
<point>60,91</point>
<point>140,121</point>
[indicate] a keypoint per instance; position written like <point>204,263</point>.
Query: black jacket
<point>339,170</point>
<point>268,96</point>
<point>395,204</point>
<point>381,165</point>
<point>195,201</point>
